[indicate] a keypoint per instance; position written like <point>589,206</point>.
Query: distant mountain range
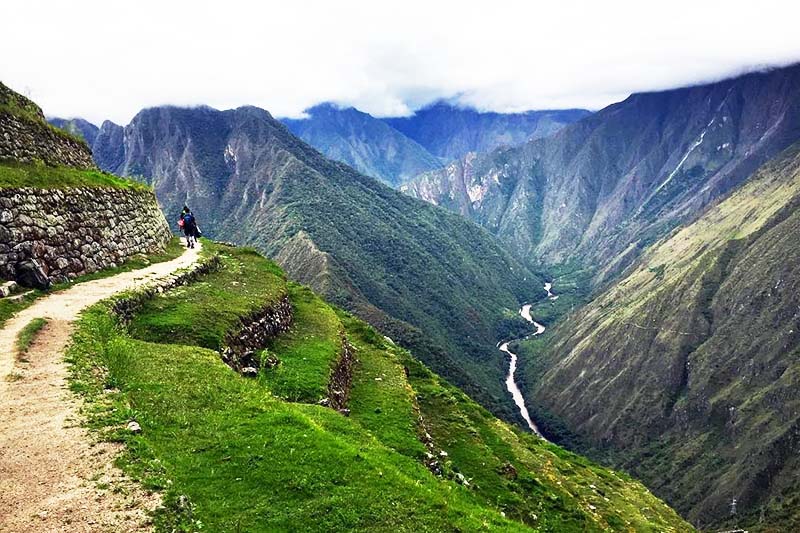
<point>365,143</point>
<point>395,150</point>
<point>600,190</point>
<point>450,132</point>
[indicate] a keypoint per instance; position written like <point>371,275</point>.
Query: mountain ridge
<point>625,175</point>
<point>407,267</point>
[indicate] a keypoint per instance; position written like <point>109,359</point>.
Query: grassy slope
<point>308,352</point>
<point>181,317</point>
<point>684,306</point>
<point>27,335</point>
<point>16,175</point>
<point>246,460</point>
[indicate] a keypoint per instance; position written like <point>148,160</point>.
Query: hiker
<point>188,225</point>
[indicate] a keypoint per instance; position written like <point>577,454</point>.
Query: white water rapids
<point>511,384</point>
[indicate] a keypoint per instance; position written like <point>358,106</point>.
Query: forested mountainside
<point>424,276</point>
<point>685,372</point>
<point>450,132</point>
<point>367,144</point>
<point>600,190</point>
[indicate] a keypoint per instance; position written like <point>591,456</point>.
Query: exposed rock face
<point>77,231</point>
<point>108,148</point>
<point>25,136</point>
<point>627,174</point>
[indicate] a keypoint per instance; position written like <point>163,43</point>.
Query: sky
<point>107,60</point>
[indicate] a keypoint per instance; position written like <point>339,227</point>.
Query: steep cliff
<point>686,371</point>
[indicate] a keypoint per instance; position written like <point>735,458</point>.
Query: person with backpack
<point>188,225</point>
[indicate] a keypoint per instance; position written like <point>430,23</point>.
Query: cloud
<point>99,59</point>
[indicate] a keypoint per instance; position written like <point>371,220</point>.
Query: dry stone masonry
<point>240,346</point>
<point>26,137</point>
<point>77,231</point>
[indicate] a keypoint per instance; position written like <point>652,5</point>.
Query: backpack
<point>188,220</point>
<point>180,222</point>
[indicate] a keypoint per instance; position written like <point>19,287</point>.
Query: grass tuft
<point>27,335</point>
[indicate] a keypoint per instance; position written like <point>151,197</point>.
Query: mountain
<point>426,277</point>
<point>686,371</point>
<point>108,148</point>
<point>600,190</point>
<point>451,132</point>
<point>77,126</point>
<point>367,144</point>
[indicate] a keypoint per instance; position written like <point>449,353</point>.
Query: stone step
<point>8,288</point>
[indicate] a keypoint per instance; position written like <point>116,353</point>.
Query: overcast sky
<point>105,59</point>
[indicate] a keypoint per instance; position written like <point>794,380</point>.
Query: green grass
<point>230,454</point>
<point>202,313</point>
<point>308,352</point>
<point>553,490</point>
<point>40,176</point>
<point>27,335</point>
<point>172,251</point>
<point>10,308</point>
<point>245,460</point>
<point>381,398</point>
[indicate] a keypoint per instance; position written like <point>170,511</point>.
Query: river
<point>511,383</point>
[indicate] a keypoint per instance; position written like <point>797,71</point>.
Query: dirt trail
<point>52,477</point>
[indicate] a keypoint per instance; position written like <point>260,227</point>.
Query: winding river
<point>511,383</point>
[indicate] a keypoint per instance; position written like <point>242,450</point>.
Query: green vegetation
<point>9,308</point>
<point>649,376</point>
<point>14,175</point>
<point>21,107</point>
<point>231,455</point>
<point>244,285</point>
<point>308,353</point>
<point>27,335</point>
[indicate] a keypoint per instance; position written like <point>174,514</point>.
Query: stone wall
<point>25,135</point>
<point>29,141</point>
<point>255,331</point>
<point>77,231</point>
<point>342,378</point>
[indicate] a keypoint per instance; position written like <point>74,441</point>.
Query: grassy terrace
<point>245,459</point>
<point>40,176</point>
<point>308,352</point>
<point>202,313</point>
